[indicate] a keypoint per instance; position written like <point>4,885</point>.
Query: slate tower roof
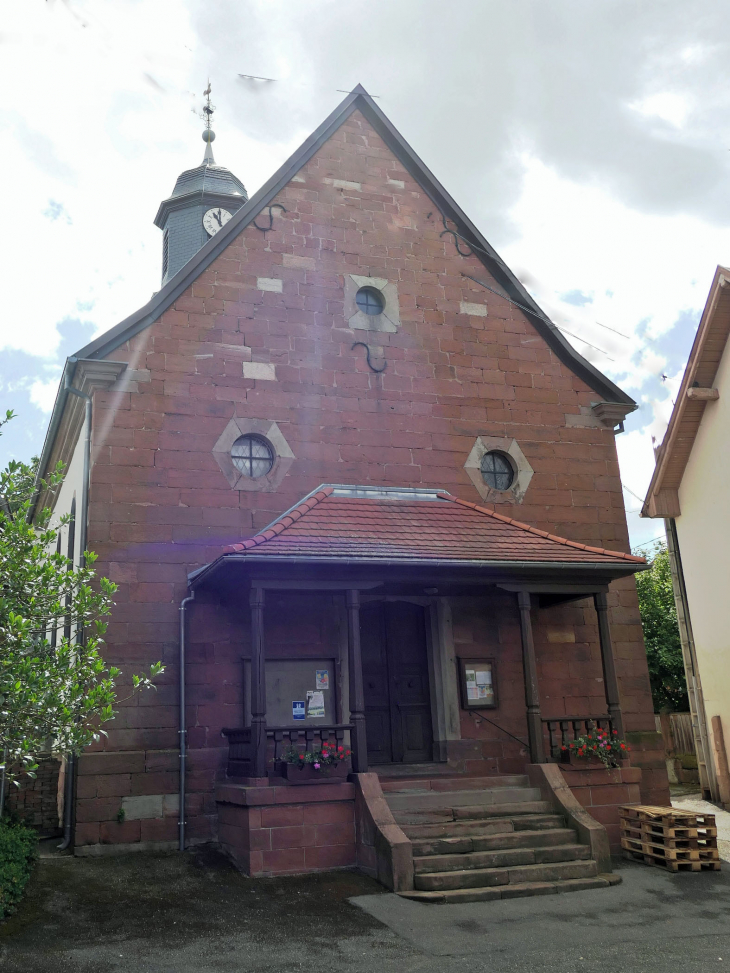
<point>180,216</point>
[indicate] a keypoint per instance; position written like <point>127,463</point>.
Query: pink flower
<point>316,766</point>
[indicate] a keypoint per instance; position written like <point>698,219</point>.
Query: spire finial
<point>208,134</point>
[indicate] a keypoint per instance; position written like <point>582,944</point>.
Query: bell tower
<point>203,201</point>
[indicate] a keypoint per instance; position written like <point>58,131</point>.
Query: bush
<point>18,852</point>
<point>661,633</point>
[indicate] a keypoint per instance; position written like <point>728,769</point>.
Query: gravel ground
<point>194,913</point>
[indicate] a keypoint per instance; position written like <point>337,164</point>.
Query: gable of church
<point>455,224</point>
<point>268,337</point>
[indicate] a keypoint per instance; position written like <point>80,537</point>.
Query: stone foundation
<point>287,830</point>
<point>602,791</point>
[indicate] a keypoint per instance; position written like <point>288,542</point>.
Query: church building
<point>361,497</point>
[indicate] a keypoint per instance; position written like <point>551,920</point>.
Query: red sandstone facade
<point>160,505</point>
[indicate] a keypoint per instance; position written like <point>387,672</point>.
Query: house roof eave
<point>662,494</point>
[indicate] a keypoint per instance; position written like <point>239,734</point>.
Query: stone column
<point>258,684</point>
<point>532,692</point>
<point>357,695</point>
<point>610,680</point>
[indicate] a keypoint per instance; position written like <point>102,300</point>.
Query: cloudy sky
<point>589,140</point>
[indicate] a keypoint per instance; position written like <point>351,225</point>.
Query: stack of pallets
<point>672,839</point>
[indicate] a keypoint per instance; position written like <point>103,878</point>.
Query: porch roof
<point>369,524</point>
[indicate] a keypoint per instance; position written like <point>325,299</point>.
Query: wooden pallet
<point>666,817</point>
<point>660,851</point>
<point>678,838</point>
<point>673,866</point>
<point>669,838</point>
<point>681,831</point>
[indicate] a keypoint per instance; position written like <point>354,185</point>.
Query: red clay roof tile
<point>446,528</point>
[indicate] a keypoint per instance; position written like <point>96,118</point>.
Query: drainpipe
<point>2,783</point>
<point>182,731</point>
<point>70,778</point>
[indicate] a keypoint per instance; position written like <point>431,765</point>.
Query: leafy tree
<point>661,634</point>
<point>55,688</point>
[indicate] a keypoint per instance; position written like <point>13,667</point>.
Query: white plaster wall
<point>71,485</point>
<point>703,531</point>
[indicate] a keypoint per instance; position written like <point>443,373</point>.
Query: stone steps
<point>427,800</point>
<point>500,858</point>
<point>441,815</point>
<point>397,785</point>
<point>481,838</point>
<point>513,891</point>
<point>504,875</point>
<point>483,826</point>
<point>467,843</point>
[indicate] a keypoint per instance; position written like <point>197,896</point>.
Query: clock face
<point>214,219</point>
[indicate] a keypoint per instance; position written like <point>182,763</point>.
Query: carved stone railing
<point>563,731</point>
<point>278,739</point>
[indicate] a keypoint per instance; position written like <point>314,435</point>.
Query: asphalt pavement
<point>194,913</point>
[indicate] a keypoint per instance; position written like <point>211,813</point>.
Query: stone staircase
<point>481,838</point>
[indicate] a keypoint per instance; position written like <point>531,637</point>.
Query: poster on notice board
<point>315,704</point>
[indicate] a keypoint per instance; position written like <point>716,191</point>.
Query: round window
<point>497,471</point>
<point>370,300</point>
<point>252,455</point>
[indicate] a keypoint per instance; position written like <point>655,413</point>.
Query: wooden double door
<point>396,683</point>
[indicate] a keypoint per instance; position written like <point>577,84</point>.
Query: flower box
<point>309,774</point>
<point>571,761</point>
<point>594,749</point>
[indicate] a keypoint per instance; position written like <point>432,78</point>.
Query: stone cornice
<point>89,376</point>
<point>612,413</point>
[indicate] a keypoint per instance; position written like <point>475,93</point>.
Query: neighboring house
<point>689,490</point>
<point>444,580</point>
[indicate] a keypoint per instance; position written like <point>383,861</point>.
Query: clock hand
<point>218,217</point>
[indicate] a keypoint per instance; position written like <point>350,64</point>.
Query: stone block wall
<point>161,506</point>
<point>602,791</point>
<point>288,830</point>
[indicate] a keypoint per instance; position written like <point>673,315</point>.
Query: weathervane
<point>208,134</point>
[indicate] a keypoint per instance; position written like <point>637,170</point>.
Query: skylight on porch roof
<point>386,493</point>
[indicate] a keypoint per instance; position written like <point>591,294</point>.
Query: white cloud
<point>624,205</point>
<point>642,269</point>
<point>43,394</point>
<point>669,106</point>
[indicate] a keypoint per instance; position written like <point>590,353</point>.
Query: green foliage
<point>18,852</point>
<point>661,634</point>
<point>600,744</point>
<point>58,695</point>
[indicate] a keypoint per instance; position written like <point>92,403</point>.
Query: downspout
<point>2,783</point>
<point>70,778</point>
<point>182,730</point>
